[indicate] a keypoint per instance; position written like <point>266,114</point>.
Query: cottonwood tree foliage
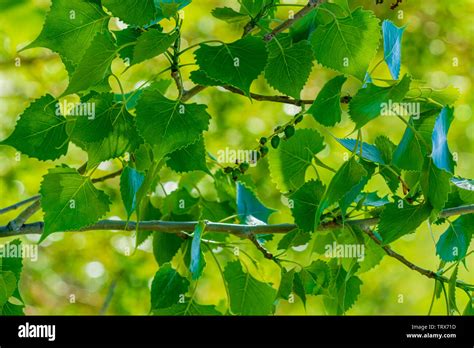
<point>147,130</point>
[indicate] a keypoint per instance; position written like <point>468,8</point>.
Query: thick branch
<point>19,221</point>
<point>188,226</point>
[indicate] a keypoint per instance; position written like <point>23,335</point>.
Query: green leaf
<point>179,202</point>
<point>410,152</point>
<point>289,162</point>
<point>216,211</point>
<point>169,8</point>
<point>41,131</point>
<point>442,157</point>
<point>321,15</point>
<point>346,201</point>
<point>127,37</point>
<point>189,308</point>
<point>253,7</point>
<point>165,246</point>
<point>197,258</point>
<point>315,277</point>
<point>386,149</point>
<point>94,66</point>
<point>399,219</point>
<point>366,151</point>
<point>347,177</point>
<point>446,96</point>
<point>298,288</point>
<point>343,291</point>
<point>10,309</point>
<point>293,238</point>
<point>179,124</point>
<point>70,201</point>
<point>12,263</point>
<point>286,283</point>
<point>135,13</point>
<point>7,286</point>
<point>131,98</point>
<point>305,204</point>
<point>189,158</point>
<point>372,199</point>
<point>372,101</point>
<point>110,134</point>
<point>392,47</point>
<point>372,256</point>
<point>452,290</point>
<point>347,44</point>
<point>151,44</point>
<point>249,208</point>
<point>454,242</point>
<point>326,109</point>
<point>229,15</point>
<point>70,27</point>
<point>302,29</point>
<point>289,65</point>
<point>199,77</point>
<point>240,62</point>
<point>248,296</point>
<point>167,287</point>
<point>343,4</point>
<point>130,182</point>
<point>435,184</point>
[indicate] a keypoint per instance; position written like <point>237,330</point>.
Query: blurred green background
<point>87,265</point>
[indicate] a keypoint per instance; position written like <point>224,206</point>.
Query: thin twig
<point>279,98</point>
<point>427,273</point>
<point>259,97</point>
<point>19,204</point>
<point>192,92</point>
<point>109,296</point>
<point>312,4</point>
<point>108,176</point>
<point>260,247</point>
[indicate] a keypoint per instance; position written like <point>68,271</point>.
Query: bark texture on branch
<point>188,226</point>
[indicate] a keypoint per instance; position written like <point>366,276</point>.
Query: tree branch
<point>108,176</point>
<point>19,204</point>
<point>427,273</point>
<point>312,4</point>
<point>244,231</point>
<point>19,221</point>
<point>17,224</point>
<point>279,98</point>
<point>192,92</point>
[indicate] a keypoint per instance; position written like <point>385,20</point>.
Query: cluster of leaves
<point>153,131</point>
